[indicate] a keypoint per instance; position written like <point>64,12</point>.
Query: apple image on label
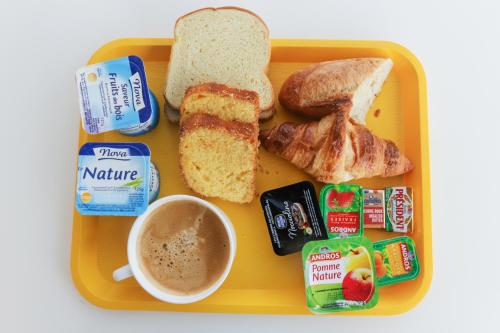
<point>358,258</point>
<point>340,199</point>
<point>380,268</point>
<point>358,285</point>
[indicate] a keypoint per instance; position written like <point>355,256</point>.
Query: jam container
<point>339,275</point>
<point>395,260</point>
<point>342,210</point>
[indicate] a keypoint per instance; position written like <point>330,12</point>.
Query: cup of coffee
<point>180,250</point>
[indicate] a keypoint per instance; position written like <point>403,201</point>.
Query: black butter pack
<point>293,217</point>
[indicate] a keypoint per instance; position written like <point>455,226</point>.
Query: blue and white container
<point>114,95</point>
<point>151,119</point>
<point>113,179</point>
<point>154,182</point>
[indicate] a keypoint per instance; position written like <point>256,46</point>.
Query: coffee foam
<point>184,247</point>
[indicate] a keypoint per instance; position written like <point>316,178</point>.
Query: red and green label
<point>399,209</point>
<point>373,209</point>
<point>339,275</point>
<point>342,209</point>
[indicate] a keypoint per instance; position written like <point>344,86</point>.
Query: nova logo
<point>138,98</point>
<point>107,153</point>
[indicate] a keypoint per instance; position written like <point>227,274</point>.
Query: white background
<point>43,42</point>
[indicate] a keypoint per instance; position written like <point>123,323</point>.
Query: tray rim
<point>426,194</point>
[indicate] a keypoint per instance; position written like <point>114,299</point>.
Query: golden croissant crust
<point>335,149</point>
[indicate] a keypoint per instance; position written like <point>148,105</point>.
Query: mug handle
<point>122,273</point>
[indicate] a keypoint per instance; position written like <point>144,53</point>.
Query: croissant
<point>335,149</point>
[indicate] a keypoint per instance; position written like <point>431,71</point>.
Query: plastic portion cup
<point>150,123</point>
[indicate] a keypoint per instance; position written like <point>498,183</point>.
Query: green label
<point>395,260</point>
<point>342,210</point>
<point>339,275</point>
<point>399,209</point>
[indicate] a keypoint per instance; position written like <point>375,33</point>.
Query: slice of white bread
<point>219,141</point>
<point>348,85</point>
<point>224,45</point>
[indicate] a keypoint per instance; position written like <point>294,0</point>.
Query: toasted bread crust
<point>223,90</point>
<point>222,8</point>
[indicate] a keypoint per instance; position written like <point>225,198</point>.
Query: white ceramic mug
<point>133,268</point>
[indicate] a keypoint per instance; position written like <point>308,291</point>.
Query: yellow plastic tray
<point>260,281</point>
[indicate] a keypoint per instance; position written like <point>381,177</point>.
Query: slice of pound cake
<point>225,45</point>
<point>219,141</point>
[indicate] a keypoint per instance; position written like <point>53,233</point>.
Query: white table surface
<point>42,44</point>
